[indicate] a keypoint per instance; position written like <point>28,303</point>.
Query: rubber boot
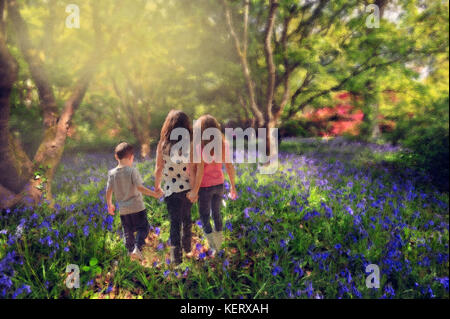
<point>211,242</point>
<point>218,239</point>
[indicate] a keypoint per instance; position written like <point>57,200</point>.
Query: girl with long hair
<point>173,170</point>
<point>209,183</point>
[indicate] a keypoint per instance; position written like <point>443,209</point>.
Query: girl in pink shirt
<point>209,184</point>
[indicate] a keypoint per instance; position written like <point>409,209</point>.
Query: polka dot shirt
<point>175,176</point>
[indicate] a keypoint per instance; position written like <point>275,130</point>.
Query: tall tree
<point>9,157</point>
<point>313,48</point>
<point>19,182</point>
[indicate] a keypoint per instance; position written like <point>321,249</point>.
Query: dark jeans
<point>179,208</point>
<point>209,203</point>
<point>131,223</point>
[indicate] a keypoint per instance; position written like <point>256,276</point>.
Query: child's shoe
<point>212,253</point>
<point>211,243</point>
<point>189,255</point>
<point>136,254</point>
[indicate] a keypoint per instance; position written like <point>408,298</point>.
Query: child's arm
<point>195,177</point>
<point>230,170</point>
<point>144,190</point>
<point>137,181</point>
<point>111,207</point>
<point>192,168</point>
<point>158,169</point>
<point>231,174</point>
<point>193,194</point>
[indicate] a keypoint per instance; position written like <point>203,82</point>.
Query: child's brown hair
<point>123,150</point>
<point>208,121</point>
<point>175,119</point>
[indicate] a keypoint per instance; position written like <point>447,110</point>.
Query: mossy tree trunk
<point>23,180</point>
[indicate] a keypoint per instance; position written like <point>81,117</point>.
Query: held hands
<point>111,209</point>
<point>158,193</point>
<point>193,197</point>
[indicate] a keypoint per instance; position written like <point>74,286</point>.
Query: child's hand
<point>233,194</point>
<point>193,197</point>
<point>158,193</point>
<point>111,209</point>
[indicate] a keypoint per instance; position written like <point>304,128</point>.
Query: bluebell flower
<point>349,210</point>
<point>225,265</point>
<point>86,230</point>
<point>443,281</point>
<point>109,289</point>
<point>246,215</point>
<point>309,290</point>
<point>22,289</point>
<point>276,270</point>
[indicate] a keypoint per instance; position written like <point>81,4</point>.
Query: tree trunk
<point>11,180</point>
<point>16,169</point>
<point>49,153</point>
<point>375,131</point>
<point>241,50</point>
<point>142,135</point>
<point>145,150</point>
<point>270,139</point>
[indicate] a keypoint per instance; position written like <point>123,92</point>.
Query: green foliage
<point>294,128</point>
<point>426,139</point>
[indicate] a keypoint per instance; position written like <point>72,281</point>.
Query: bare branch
<point>269,57</point>
<point>244,64</point>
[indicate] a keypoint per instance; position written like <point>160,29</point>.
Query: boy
<point>126,184</point>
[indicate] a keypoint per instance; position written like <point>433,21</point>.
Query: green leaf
<point>93,262</point>
<point>165,237</point>
<point>97,270</point>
